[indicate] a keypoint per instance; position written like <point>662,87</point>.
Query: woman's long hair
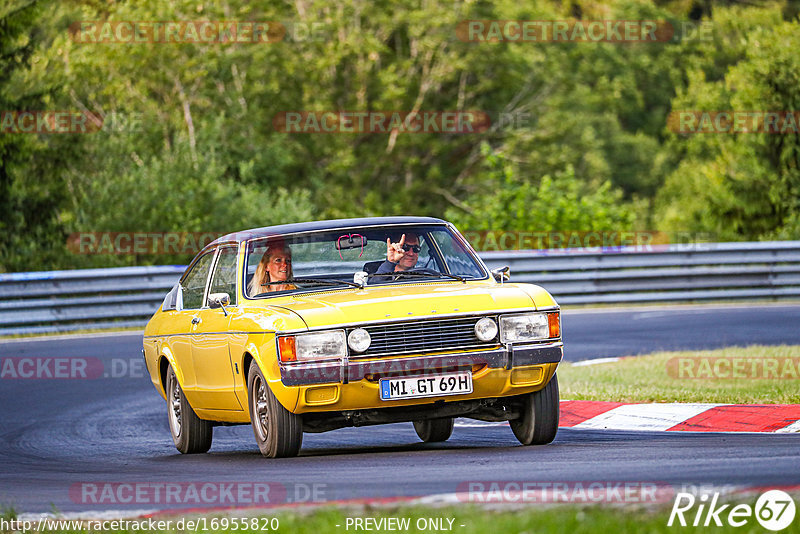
<point>261,275</point>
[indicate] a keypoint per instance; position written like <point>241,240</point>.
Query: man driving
<point>402,255</point>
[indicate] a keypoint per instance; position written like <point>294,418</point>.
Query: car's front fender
<point>262,349</point>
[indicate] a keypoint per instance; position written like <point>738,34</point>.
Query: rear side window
<point>194,283</point>
<point>224,278</point>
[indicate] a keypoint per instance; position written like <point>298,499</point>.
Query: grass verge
<point>736,375</point>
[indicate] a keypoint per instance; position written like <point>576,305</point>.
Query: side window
<point>426,260</point>
<point>224,278</point>
<point>194,284</point>
<point>457,258</point>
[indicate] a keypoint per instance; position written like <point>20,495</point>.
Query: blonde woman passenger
<point>275,266</point>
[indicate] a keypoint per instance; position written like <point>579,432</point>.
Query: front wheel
<point>434,430</point>
<point>279,432</point>
<point>189,433</point>
<point>538,420</point>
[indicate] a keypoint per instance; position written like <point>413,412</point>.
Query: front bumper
<point>347,371</point>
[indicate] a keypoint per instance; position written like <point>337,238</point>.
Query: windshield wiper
<point>423,273</point>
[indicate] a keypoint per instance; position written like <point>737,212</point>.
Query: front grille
<point>423,336</point>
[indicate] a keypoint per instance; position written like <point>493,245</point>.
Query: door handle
<point>196,320</point>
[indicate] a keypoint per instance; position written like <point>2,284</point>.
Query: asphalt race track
<point>592,334</point>
<point>59,435</point>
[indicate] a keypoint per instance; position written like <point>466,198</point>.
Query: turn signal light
<point>286,349</point>
<point>554,324</point>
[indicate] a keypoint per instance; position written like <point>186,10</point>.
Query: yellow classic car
<point>311,327</point>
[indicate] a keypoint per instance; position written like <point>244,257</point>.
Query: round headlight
<point>486,329</point>
<point>359,340</point>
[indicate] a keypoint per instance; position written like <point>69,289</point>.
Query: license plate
<point>426,386</point>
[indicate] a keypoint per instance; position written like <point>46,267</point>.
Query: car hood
<point>406,301</point>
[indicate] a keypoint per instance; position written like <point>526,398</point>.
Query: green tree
<point>578,128</point>
<point>175,192</point>
<point>31,190</point>
<point>560,203</point>
<point>744,185</point>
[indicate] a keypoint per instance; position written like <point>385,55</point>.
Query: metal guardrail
<point>60,301</point>
<point>660,273</point>
<point>56,301</point>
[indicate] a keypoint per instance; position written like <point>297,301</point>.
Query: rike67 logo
<point>774,510</point>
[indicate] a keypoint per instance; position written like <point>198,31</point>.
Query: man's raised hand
<point>394,251</point>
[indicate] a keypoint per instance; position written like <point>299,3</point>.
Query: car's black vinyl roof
<point>333,224</point>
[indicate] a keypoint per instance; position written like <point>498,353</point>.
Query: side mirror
<point>174,299</point>
<point>361,278</point>
<point>219,300</point>
<point>501,274</point>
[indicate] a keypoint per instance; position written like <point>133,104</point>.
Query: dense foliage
<point>579,137</point>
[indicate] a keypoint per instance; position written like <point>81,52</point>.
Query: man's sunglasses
<point>414,248</point>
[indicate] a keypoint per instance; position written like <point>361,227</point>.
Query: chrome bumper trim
<point>353,371</point>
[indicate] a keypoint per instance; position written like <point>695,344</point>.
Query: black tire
<point>190,434</point>
<point>278,432</point>
<point>434,430</point>
<point>538,421</point>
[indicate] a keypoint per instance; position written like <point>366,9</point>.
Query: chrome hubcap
<point>260,408</point>
<point>175,407</point>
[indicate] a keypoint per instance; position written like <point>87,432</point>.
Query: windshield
<point>314,260</point>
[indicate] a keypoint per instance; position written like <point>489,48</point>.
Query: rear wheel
<point>279,432</point>
<point>189,433</point>
<point>538,421</point>
<point>434,430</point>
